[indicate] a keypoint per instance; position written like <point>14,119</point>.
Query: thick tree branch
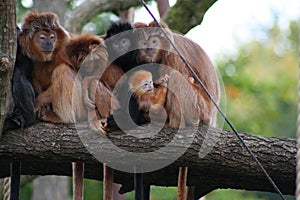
<point>186,14</point>
<point>47,149</point>
<point>8,44</point>
<point>77,18</point>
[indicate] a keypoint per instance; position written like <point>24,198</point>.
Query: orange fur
<point>154,99</point>
<point>34,24</point>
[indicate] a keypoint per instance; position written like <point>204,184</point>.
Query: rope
<point>215,104</point>
<point>6,189</point>
<point>298,139</point>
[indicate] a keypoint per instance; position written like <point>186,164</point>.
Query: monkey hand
<point>163,80</point>
<point>90,104</point>
<point>191,79</point>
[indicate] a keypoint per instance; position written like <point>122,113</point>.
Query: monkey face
<point>121,46</point>
<point>147,86</point>
<point>149,48</point>
<point>152,44</point>
<point>45,41</point>
<point>141,82</point>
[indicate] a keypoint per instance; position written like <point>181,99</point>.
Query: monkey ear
<point>25,30</point>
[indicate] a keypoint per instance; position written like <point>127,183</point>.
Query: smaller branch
<point>191,14</point>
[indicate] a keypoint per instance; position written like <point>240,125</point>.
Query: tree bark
<point>77,18</point>
<point>8,48</point>
<point>48,149</point>
<point>191,14</point>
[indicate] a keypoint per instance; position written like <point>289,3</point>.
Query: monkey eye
<point>42,37</point>
<point>94,46</point>
<point>125,41</point>
<point>116,44</point>
<point>52,36</point>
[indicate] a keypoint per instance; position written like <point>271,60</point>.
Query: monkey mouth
<point>47,52</point>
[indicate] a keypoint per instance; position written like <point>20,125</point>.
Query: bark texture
<point>8,48</point>
<point>47,149</point>
<point>186,14</point>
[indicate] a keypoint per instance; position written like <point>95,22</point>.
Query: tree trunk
<point>48,149</point>
<point>8,48</point>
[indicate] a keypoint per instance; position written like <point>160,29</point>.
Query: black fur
<point>120,30</point>
<point>22,114</point>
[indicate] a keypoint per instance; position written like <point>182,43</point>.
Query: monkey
<point>89,53</point>
<point>21,112</point>
<point>153,46</point>
<point>83,57</point>
<point>21,115</point>
<point>142,97</point>
<point>121,45</point>
<point>97,96</point>
<point>41,39</point>
<point>145,94</point>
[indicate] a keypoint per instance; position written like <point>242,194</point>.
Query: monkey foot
<point>96,125</point>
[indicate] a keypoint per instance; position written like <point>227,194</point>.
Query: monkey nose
<point>150,51</point>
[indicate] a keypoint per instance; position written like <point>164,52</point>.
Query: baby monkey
<point>145,98</point>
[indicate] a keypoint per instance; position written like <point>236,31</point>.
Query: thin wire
<point>214,102</point>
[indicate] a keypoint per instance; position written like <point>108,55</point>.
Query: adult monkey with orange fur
<point>69,100</point>
<point>181,111</point>
<point>41,39</point>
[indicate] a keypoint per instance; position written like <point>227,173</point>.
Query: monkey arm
<point>43,99</point>
<point>89,85</point>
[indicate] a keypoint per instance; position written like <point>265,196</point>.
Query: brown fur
<point>88,54</point>
<point>198,104</point>
<point>112,75</point>
<point>181,110</point>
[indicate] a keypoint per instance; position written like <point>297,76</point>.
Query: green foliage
<point>26,191</point>
<point>261,88</point>
<point>99,23</point>
<point>261,84</point>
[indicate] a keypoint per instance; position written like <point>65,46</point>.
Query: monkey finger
<point>90,104</point>
<point>166,78</point>
<point>191,79</point>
